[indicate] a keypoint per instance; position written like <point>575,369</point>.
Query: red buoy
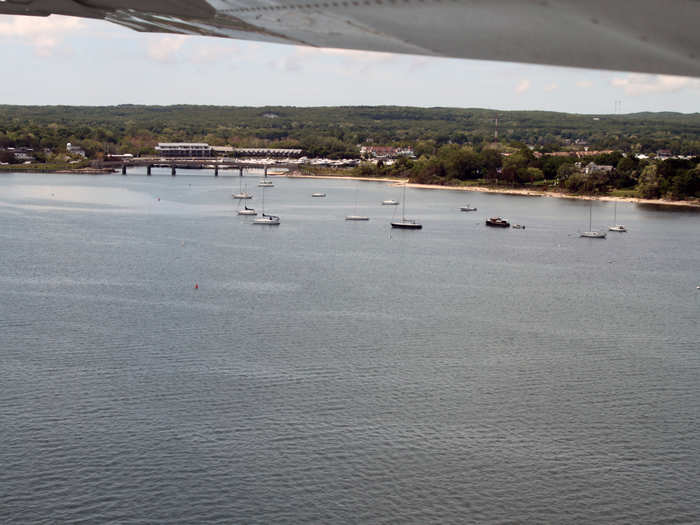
<point>196,286</point>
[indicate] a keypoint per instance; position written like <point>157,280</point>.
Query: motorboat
<point>519,226</point>
<point>390,202</point>
<point>467,208</point>
<point>265,184</point>
<point>498,222</point>
<point>318,194</point>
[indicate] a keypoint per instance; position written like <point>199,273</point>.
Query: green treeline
<point>451,145</point>
<point>335,132</point>
<point>454,165</point>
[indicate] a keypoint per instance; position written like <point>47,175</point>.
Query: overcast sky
<point>62,60</point>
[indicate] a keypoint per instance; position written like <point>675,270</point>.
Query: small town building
<point>22,154</point>
<point>220,151</point>
<point>75,150</point>
<point>592,168</point>
<point>184,149</point>
<point>385,152</point>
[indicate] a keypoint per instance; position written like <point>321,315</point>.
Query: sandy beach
<point>507,191</point>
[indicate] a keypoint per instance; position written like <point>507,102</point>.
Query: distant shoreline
<point>508,191</point>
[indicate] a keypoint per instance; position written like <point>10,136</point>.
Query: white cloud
<point>522,86</point>
<point>584,84</point>
<point>209,53</point>
<point>551,87</point>
<point>44,34</point>
<point>165,48</point>
<point>349,54</point>
<point>637,84</point>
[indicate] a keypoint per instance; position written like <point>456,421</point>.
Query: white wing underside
<point>653,36</point>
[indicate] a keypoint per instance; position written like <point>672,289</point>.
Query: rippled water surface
<point>337,372</point>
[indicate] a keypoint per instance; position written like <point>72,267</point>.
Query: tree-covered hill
<point>337,130</point>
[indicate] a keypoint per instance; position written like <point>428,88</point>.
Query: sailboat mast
<point>403,204</point>
<point>590,216</point>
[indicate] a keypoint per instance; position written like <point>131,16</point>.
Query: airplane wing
<point>653,36</point>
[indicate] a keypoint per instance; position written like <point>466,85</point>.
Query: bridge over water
<point>190,163</point>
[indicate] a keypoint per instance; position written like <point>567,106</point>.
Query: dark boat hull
<point>498,224</point>
<point>406,225</point>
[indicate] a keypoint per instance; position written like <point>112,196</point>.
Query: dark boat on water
<point>498,222</point>
<point>404,223</point>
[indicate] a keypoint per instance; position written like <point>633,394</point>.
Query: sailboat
<point>404,223</point>
<point>617,227</point>
<point>272,220</point>
<point>247,211</point>
<point>241,194</point>
<point>355,216</point>
<point>591,233</point>
<point>265,183</point>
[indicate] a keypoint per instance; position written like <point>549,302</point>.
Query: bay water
<point>163,360</point>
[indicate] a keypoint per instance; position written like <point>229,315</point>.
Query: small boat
<point>591,233</point>
<point>498,222</point>
<point>318,194</point>
<point>247,211</point>
<point>241,193</point>
<point>404,223</point>
<point>617,227</point>
<point>265,184</point>
<point>272,220</point>
<point>467,208</point>
<point>519,226</point>
<point>355,216</point>
<point>390,202</point>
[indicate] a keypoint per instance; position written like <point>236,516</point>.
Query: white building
<point>184,149</point>
<point>75,150</point>
<point>592,167</point>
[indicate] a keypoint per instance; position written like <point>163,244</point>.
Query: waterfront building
<point>75,150</point>
<point>385,152</point>
<point>184,149</point>
<point>267,152</point>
